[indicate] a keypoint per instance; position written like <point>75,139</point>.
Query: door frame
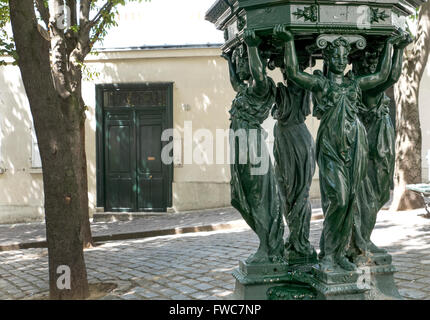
<point>100,150</point>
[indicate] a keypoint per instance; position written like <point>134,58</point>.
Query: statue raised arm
<point>396,66</point>
<point>381,75</point>
<point>292,66</point>
<point>259,83</point>
<point>234,79</point>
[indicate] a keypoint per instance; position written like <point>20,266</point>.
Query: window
<point>149,97</point>
<point>36,162</point>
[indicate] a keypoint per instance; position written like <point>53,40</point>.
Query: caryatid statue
<point>375,115</point>
<point>294,153</point>
<point>253,186</point>
<point>342,146</point>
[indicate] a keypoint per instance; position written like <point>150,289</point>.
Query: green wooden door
<point>120,160</point>
<point>130,121</point>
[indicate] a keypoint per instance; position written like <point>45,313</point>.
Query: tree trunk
<point>64,181</point>
<point>59,126</point>
<point>408,168</point>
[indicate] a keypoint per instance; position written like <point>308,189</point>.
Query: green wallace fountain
<point>354,148</point>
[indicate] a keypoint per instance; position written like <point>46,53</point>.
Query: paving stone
<point>180,297</point>
<point>203,286</point>
<point>412,293</point>
<point>200,295</point>
<point>168,292</point>
<point>408,265</point>
<point>424,280</point>
<point>424,273</point>
<point>148,294</point>
<point>407,276</point>
<point>191,282</point>
<point>414,285</point>
<point>185,289</point>
<point>124,276</point>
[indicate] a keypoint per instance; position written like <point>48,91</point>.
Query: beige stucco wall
<point>200,79</point>
<point>21,187</point>
<point>424,104</point>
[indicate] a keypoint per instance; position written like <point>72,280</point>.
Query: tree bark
<point>65,219</point>
<point>59,125</point>
<point>408,167</point>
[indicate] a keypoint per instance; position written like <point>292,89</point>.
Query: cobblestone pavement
<point>30,232</point>
<point>199,266</point>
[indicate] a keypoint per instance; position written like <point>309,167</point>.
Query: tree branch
<point>85,42</point>
<point>43,32</point>
<point>105,9</point>
<point>43,11</point>
<point>97,34</point>
<point>73,14</point>
<point>84,16</point>
<point>59,55</point>
<point>35,62</point>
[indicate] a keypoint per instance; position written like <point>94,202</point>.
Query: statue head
<point>336,54</point>
<point>367,62</point>
<point>240,59</point>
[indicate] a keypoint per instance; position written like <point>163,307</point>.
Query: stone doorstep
<point>101,216</point>
<point>129,216</point>
<point>126,216</point>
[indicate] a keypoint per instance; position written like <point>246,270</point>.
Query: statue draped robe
<point>381,138</point>
<point>294,153</point>
<point>342,155</point>
<point>255,196</point>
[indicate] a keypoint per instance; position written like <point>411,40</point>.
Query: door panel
<point>120,162</point>
<point>149,166</point>
<point>150,148</point>
<point>119,142</point>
